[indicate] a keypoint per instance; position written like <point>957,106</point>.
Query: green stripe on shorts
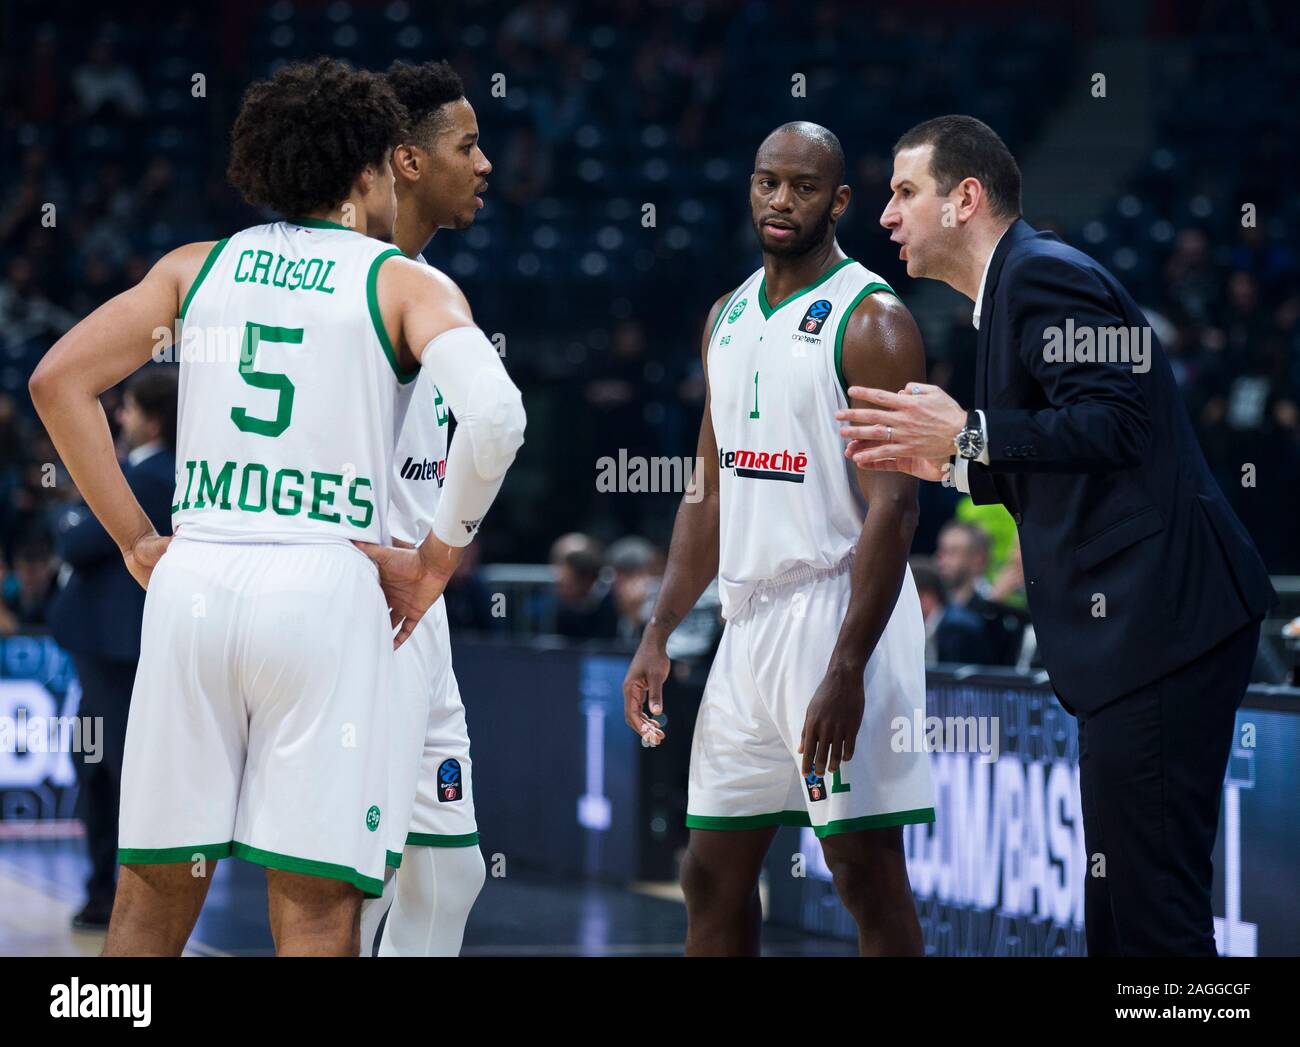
<point>439,840</point>
<point>172,855</point>
<point>749,821</point>
<point>875,821</point>
<point>369,885</point>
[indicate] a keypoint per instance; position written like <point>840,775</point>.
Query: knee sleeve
<point>372,914</point>
<point>436,888</point>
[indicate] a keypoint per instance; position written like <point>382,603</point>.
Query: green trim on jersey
<point>726,306</point>
<point>799,819</point>
<point>320,223</point>
<point>875,821</point>
<point>768,310</point>
<point>369,885</point>
<point>172,855</point>
<point>871,288</point>
<point>203,271</point>
<point>439,840</point>
<point>393,859</point>
<point>377,318</point>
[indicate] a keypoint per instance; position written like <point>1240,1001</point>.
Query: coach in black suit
<point>96,616</point>
<point>1145,591</point>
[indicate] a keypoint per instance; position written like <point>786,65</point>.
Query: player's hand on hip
<point>932,469</point>
<point>412,579</point>
<point>830,727</point>
<point>643,687</point>
<point>142,556</point>
<point>918,421</point>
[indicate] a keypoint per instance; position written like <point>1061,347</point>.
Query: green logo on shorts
<point>736,310</point>
<point>372,818</point>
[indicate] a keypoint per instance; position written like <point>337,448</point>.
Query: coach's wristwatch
<point>970,441</point>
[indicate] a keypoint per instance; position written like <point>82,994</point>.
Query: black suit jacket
<point>1134,562</point>
<point>99,610</point>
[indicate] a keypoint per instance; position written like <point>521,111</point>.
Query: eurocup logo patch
<point>816,786</point>
<point>449,782</point>
<point>815,317</point>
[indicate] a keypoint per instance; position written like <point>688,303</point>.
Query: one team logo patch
<point>449,781</point>
<point>372,818</point>
<point>815,317</point>
<point>816,786</point>
<point>736,310</point>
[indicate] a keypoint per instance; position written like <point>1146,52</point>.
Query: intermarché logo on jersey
<point>765,465</point>
<point>424,469</point>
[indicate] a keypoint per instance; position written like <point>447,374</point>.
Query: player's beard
<point>813,235</point>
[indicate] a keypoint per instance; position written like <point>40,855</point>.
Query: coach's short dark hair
<point>302,137</point>
<point>154,391</point>
<point>423,90</point>
<point>968,148</point>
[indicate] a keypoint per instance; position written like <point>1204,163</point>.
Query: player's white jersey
<point>288,390</point>
<point>788,495</point>
<point>420,461</point>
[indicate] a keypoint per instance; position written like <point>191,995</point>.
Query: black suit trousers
<point>1151,767</point>
<point>105,695</point>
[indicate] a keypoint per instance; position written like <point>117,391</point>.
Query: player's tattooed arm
<point>692,564</point>
<point>882,348</point>
<point>103,349</point>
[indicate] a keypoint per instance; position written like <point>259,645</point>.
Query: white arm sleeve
<point>489,428</point>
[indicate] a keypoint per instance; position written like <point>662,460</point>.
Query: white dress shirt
<point>145,451</point>
<point>962,465</point>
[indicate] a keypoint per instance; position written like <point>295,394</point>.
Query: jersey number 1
<point>754,412</point>
<point>254,336</point>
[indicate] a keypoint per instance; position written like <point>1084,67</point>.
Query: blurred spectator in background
<point>962,558</point>
<point>1008,585</point>
<point>27,590</point>
<point>952,633</point>
<point>584,601</point>
<point>97,614</point>
<point>638,566</point>
<point>26,314</point>
<point>1191,277</point>
<point>105,87</point>
<point>468,602</point>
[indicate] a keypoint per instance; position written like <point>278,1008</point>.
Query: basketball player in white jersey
<point>258,724</point>
<point>440,171</point>
<point>824,644</point>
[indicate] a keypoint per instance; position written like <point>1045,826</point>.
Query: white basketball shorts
<point>746,771</point>
<point>433,799</point>
<point>259,725</point>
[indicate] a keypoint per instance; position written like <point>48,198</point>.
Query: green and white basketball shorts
<point>259,726</point>
<point>746,771</point>
<point>433,798</point>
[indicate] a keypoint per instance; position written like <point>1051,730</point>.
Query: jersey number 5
<point>254,336</point>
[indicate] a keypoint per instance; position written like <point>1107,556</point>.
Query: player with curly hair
<point>258,724</point>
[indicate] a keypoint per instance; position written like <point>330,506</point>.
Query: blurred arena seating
<point>112,149</point>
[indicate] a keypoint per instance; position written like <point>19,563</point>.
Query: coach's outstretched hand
<point>412,579</point>
<point>142,556</point>
<point>933,469</point>
<point>645,680</point>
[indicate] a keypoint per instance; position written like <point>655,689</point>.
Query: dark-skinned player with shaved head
<point>824,644</point>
